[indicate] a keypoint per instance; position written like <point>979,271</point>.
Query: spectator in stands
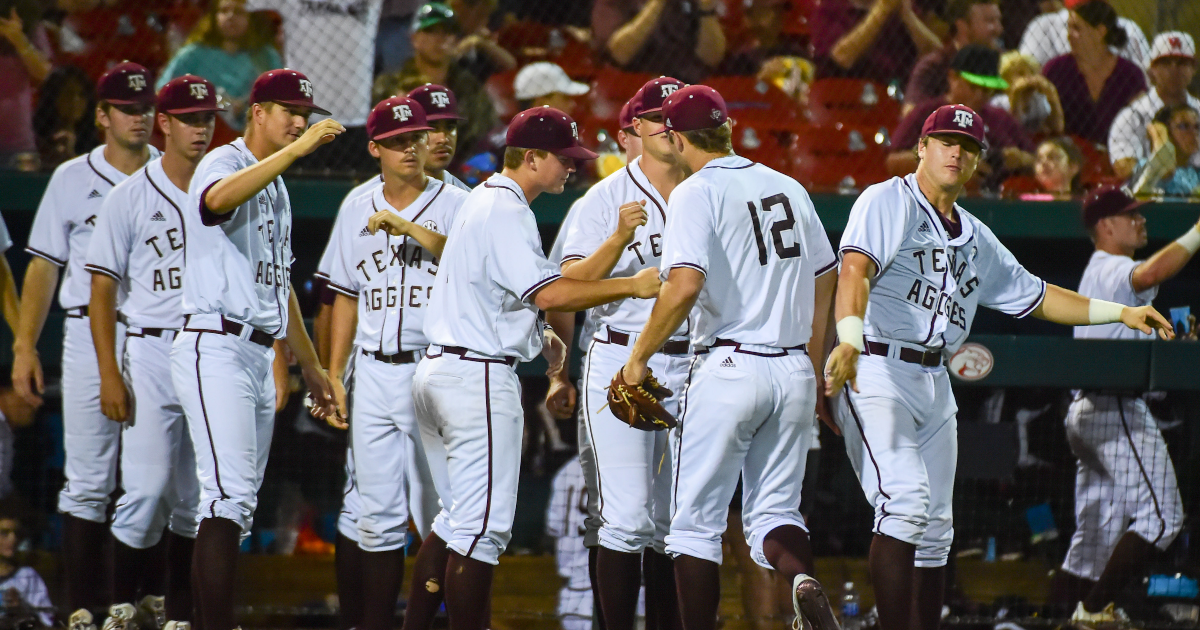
<point>230,47</point>
<point>1093,82</point>
<point>478,50</point>
<point>971,22</point>
<point>973,78</point>
<point>1057,167</point>
<point>1173,168</point>
<point>766,42</point>
<point>1046,36</point>
<point>1172,67</point>
<point>96,35</point>
<point>26,599</point>
<point>869,39</point>
<point>393,40</point>
<point>63,122</point>
<point>679,38</point>
<point>546,84</point>
<point>434,38</point>
<point>1031,98</point>
<point>793,76</point>
<point>24,64</point>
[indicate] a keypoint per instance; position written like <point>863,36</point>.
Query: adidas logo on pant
<point>158,216</point>
<point>728,362</point>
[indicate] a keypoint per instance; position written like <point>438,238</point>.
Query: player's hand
<point>321,133</point>
<point>338,420</point>
<point>823,412</point>
<point>646,284</point>
<point>634,372</point>
<point>560,399</point>
<point>389,222</point>
<point>27,377</point>
<point>114,398</point>
<point>321,388</point>
<point>555,352</point>
<point>1147,320</point>
<point>630,216</point>
<point>841,368</point>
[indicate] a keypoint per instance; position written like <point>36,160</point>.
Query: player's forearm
<point>102,317</point>
<point>321,331</point>
<point>569,295</point>
<point>428,239</point>
<point>343,324</point>
<point>297,335</point>
<point>1166,262</point>
<point>675,300</point>
<point>822,331</point>
<point>41,277</point>
<point>600,263</point>
<point>629,39</point>
<point>237,188</point>
<point>8,294</point>
<point>563,325</point>
<point>1063,306</point>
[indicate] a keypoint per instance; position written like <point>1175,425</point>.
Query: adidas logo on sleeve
<point>94,194</point>
<point>364,232</point>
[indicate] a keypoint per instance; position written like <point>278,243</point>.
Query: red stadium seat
<point>499,88</point>
<point>852,101</point>
<point>610,89</point>
<point>755,102</point>
<point>533,41</point>
<point>824,156</point>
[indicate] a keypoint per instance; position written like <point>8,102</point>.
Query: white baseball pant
<point>347,522</point>
<point>634,467</point>
<point>748,409</point>
<point>228,394</point>
<point>591,477</point>
<point>158,464</point>
<point>1124,480</point>
<point>91,441</point>
<point>901,436</point>
<point>474,403</point>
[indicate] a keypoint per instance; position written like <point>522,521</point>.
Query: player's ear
<point>531,159</point>
<point>373,149</point>
<point>164,123</point>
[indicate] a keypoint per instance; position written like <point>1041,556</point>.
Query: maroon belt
<point>462,354</point>
<point>932,358</point>
<point>671,347</point>
<point>400,358</point>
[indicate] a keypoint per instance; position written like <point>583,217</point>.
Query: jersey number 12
<point>777,228</point>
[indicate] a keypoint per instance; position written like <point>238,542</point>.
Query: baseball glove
<point>640,404</point>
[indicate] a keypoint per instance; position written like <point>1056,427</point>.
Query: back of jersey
<point>755,235</point>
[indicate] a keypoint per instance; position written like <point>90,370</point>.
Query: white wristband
<point>1101,312</point>
<point>850,330</point>
<point>1190,240</point>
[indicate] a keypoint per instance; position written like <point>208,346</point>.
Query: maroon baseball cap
<point>547,129</point>
<point>394,116</point>
<point>126,83</point>
<point>286,87</point>
<point>439,102</point>
<point>1107,201</point>
<point>186,95</point>
<point>650,97</point>
<point>693,107</point>
<point>957,120</point>
<point>625,118</point>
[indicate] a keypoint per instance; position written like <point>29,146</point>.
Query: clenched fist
<point>646,283</point>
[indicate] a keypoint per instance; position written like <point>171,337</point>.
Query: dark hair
<point>959,10</point>
<point>1100,13</point>
<point>260,32</point>
<point>1074,156</point>
<point>45,114</point>
<point>1168,112</point>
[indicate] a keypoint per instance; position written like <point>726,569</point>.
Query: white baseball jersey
<point>491,268</point>
<point>556,256</point>
<point>1046,38</point>
<point>392,278</point>
<point>1110,277</point>
<point>935,281</point>
<point>1128,137</point>
<point>597,219</point>
<point>139,242</point>
<point>239,264</point>
<point>755,235</point>
<point>66,217</point>
<point>565,523</point>
<point>5,239</point>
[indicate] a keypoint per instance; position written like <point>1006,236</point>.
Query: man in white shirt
<point>483,319</point>
<point>1172,66</point>
<point>1127,503</point>
<point>1046,37</point>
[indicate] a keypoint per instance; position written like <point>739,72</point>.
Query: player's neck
<point>524,179</point>
<point>1115,249</point>
<point>179,169</point>
<point>400,192</point>
<point>940,198</point>
<point>436,173</point>
<point>258,144</point>
<point>664,176</point>
<point>697,160</point>
<point>126,159</point>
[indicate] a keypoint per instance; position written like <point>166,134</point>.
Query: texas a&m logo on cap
<point>306,87</point>
<point>199,90</point>
<point>668,89</point>
<point>441,99</point>
<point>574,130</point>
<point>137,81</point>
<point>401,113</point>
<point>963,118</point>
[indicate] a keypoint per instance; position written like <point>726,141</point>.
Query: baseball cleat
<point>121,617</point>
<point>81,619</point>
<point>153,610</point>
<point>811,604</point>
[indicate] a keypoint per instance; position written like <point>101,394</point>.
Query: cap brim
<point>126,101</point>
<point>318,110</point>
<point>396,132</point>
<point>1175,55</point>
<point>982,146</point>
<point>575,88</point>
<point>433,117</point>
<point>577,152</point>
<point>995,83</point>
<point>191,110</point>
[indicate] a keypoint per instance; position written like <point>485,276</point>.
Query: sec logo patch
<point>972,362</point>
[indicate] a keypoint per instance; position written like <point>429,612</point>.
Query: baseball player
<point>138,251</point>
<point>1127,502</point>
<point>59,239</point>
<point>914,268</point>
<point>483,318</point>
<point>617,232</point>
<point>388,248</point>
<point>237,300</point>
<point>10,302</point>
<point>743,245</point>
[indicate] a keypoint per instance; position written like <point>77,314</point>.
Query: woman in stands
<point>1173,168</point>
<point>1056,168</point>
<point>229,47</point>
<point>1093,83</point>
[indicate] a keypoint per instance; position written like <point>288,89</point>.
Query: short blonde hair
<point>712,140</point>
<point>514,157</point>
